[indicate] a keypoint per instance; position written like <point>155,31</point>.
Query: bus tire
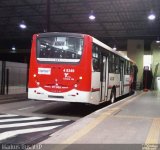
<point>113,96</point>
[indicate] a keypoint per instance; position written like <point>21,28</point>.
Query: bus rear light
<point>80,78</point>
<point>34,75</point>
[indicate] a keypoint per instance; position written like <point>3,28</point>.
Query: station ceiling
<point>116,20</point>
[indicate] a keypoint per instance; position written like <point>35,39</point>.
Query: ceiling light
<point>114,48</point>
<point>92,16</point>
<point>151,16</point>
<point>158,41</point>
<point>13,48</point>
<point>22,25</point>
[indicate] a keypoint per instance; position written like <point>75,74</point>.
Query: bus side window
<point>129,68</point>
<point>111,63</point>
<point>117,71</point>
<point>96,58</point>
<point>126,67</point>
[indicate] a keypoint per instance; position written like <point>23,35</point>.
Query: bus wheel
<point>113,96</point>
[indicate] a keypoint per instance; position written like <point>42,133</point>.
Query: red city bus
<point>74,67</point>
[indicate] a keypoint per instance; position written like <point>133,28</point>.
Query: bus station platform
<point>130,124</point>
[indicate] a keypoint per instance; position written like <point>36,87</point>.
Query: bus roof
<point>96,41</point>
<point>61,33</point>
<point>110,49</point>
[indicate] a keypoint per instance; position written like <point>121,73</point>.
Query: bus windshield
<point>59,49</point>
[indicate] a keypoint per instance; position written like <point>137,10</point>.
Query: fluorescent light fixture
<point>152,16</point>
<point>92,16</point>
<point>22,25</point>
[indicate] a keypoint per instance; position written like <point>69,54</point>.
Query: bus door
<point>121,77</point>
<point>104,78</point>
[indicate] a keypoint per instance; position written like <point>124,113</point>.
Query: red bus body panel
<point>62,77</point>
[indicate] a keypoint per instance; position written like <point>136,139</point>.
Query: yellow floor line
<point>129,101</point>
<point>154,132</point>
<point>132,117</point>
<point>91,125</point>
<point>82,132</point>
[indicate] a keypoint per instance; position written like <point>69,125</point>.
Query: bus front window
<point>59,49</point>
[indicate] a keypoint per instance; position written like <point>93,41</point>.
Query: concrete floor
<point>133,123</point>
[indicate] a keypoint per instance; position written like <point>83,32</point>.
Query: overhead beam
<point>48,21</point>
<point>19,6</point>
